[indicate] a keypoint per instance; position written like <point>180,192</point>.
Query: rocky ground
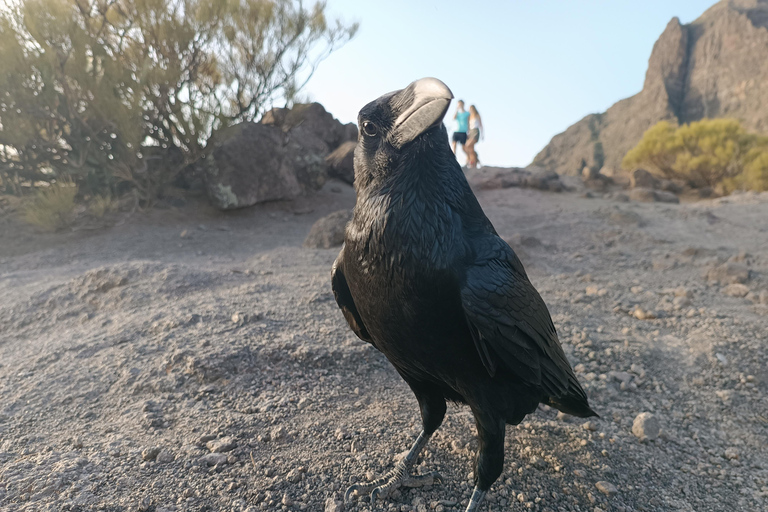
<point>188,359</point>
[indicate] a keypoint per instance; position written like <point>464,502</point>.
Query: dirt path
<point>143,370</point>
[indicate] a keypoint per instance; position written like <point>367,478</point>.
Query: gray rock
<point>213,459</point>
<point>729,273</point>
<point>333,505</point>
<point>150,453</point>
<point>222,445</point>
<point>607,488</point>
<point>736,290</point>
<point>165,456</point>
<point>663,196</point>
<point>293,476</point>
<point>642,194</point>
<point>646,426</point>
<point>328,232</point>
<point>247,166</point>
<point>640,178</point>
<point>341,162</point>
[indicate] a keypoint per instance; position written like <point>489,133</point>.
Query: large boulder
<point>328,231</point>
<point>640,178</point>
<point>489,178</point>
<point>308,121</point>
<point>248,166</point>
<point>341,162</point>
<point>279,158</point>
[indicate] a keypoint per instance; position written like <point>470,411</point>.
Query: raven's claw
<point>398,477</point>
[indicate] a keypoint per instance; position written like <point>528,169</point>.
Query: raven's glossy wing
<point>511,326</point>
<point>345,301</point>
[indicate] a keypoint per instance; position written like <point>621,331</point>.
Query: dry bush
<point>711,152</point>
<point>53,207</point>
<point>106,92</point>
<point>101,205</point>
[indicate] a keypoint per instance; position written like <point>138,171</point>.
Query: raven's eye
<point>369,129</point>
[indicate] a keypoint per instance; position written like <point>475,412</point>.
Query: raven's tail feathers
<point>573,405</point>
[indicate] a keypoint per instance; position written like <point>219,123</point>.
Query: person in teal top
<point>462,119</point>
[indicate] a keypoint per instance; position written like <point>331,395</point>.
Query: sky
<point>531,67</point>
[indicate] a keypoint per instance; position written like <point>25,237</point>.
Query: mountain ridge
<point>715,66</point>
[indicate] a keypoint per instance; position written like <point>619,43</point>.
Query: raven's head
<point>397,122</point>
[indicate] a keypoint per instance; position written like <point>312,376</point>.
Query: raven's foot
<point>399,477</point>
<point>475,500</point>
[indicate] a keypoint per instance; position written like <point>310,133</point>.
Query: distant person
<point>476,132</point>
<point>462,120</point>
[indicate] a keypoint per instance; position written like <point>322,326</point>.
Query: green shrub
<point>89,87</point>
<point>53,207</point>
<point>710,152</point>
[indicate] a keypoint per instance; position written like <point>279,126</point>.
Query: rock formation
<point>717,66</point>
<point>281,157</point>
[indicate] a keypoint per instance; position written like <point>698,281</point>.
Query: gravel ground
<point>194,360</point>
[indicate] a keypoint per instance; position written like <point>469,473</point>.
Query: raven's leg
<point>490,457</point>
<point>433,408</point>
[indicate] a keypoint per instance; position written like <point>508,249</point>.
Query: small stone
<point>334,505</point>
<point>646,426</point>
<point>681,302</point>
<point>185,234</point>
<point>731,453</point>
<point>641,314</point>
<point>589,425</point>
<point>293,476</point>
<point>736,290</point>
<point>144,504</point>
<point>607,488</point>
<point>664,196</point>
<point>150,453</point>
<point>213,459</point>
<point>277,433</point>
<point>224,444</point>
<point>729,273</point>
<point>645,195</point>
<point>165,456</point>
<point>287,501</point>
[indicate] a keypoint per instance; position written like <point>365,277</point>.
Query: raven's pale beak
<point>419,107</point>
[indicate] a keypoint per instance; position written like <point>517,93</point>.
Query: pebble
<point>213,459</point>
<point>293,476</point>
<point>607,488</point>
<point>646,426</point>
<point>736,290</point>
<point>641,314</point>
<point>590,425</point>
<point>165,456</point>
<point>150,453</point>
<point>277,433</point>
<point>224,444</point>
<point>731,453</point>
<point>334,505</point>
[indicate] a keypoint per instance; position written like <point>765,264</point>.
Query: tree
<point>131,90</point>
<point>710,152</point>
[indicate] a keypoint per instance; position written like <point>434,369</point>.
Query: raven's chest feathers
<point>405,232</point>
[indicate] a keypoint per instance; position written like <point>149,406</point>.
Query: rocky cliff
<point>716,66</point>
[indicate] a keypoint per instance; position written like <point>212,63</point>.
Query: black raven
<point>425,279</point>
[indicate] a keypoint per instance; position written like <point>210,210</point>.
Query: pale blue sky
<point>532,67</point>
